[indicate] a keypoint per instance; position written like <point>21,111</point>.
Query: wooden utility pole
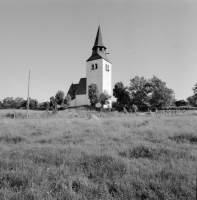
<point>28,96</point>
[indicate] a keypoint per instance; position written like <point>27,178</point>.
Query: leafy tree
<point>33,103</point>
<point>104,98</point>
<point>19,102</point>
<point>1,104</point>
<point>59,97</point>
<point>143,94</point>
<point>180,103</point>
<point>191,100</point>
<point>122,94</point>
<point>114,105</point>
<point>8,102</point>
<point>140,89</point>
<point>161,96</point>
<point>195,90</point>
<point>53,103</point>
<point>42,106</point>
<point>134,108</point>
<point>67,100</point>
<point>93,94</point>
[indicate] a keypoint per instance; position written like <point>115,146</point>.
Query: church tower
<point>99,67</point>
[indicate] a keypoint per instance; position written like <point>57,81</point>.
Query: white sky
<point>54,38</point>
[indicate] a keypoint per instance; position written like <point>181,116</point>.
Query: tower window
<point>92,66</point>
<point>107,68</point>
<point>96,66</point>
<point>101,49</point>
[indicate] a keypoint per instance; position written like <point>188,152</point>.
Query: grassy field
<point>88,155</point>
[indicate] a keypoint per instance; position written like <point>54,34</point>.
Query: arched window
<point>96,66</point>
<point>92,66</point>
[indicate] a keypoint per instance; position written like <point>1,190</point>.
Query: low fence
<point>177,110</point>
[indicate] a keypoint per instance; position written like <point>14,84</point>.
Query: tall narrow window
<point>92,66</point>
<point>107,67</point>
<point>96,66</point>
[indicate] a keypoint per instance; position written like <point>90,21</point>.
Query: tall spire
<point>98,50</point>
<point>98,41</point>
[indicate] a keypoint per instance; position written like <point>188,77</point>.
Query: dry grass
<point>107,156</point>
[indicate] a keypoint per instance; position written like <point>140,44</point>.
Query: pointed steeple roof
<point>98,41</point>
<point>98,50</point>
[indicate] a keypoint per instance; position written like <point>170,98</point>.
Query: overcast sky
<point>54,38</point>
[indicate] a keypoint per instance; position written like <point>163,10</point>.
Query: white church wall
<point>95,75</point>
<point>99,76</point>
<point>87,100</point>
<point>81,100</point>
<point>73,103</point>
<point>107,77</point>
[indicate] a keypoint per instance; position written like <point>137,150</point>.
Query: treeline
<point>141,94</point>
<point>192,100</point>
<point>20,103</point>
<point>145,94</point>
<point>17,103</point>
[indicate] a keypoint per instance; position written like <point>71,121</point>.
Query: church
<point>98,71</point>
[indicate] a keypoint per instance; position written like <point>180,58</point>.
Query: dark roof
<point>98,50</point>
<point>72,90</point>
<point>98,41</point>
<point>97,55</point>
<point>81,89</point>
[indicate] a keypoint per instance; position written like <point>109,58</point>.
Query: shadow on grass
<point>97,167</point>
<point>14,181</point>
<point>137,152</point>
<point>191,138</point>
<point>153,153</point>
<point>45,156</point>
<point>12,139</point>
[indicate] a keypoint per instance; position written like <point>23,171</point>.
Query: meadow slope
<point>107,156</point>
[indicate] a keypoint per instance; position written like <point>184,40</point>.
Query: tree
<point>134,108</point>
<point>67,100</point>
<point>93,94</point>
<point>1,105</point>
<point>53,103</point>
<point>33,103</point>
<point>104,98</point>
<point>191,100</point>
<point>19,101</point>
<point>122,94</point>
<point>195,90</point>
<point>140,89</point>
<point>8,102</point>
<point>181,103</point>
<point>59,97</point>
<point>161,96</point>
<point>43,105</point>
